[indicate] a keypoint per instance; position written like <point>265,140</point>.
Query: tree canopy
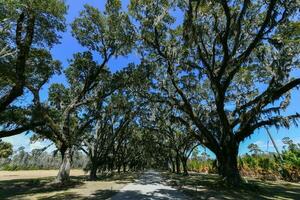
<point>28,30</point>
<point>227,68</point>
<point>210,73</point>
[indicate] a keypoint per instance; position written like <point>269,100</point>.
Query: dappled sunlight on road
<point>149,186</point>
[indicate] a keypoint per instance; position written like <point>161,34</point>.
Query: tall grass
<point>267,166</point>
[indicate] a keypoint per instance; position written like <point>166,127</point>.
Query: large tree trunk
<point>173,168</point>
<point>119,168</point>
<point>111,165</point>
<point>228,164</point>
<point>124,167</point>
<point>184,165</point>
<point>177,164</point>
<point>93,171</point>
<point>63,175</point>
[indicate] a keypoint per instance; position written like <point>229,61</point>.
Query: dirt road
<point>149,186</point>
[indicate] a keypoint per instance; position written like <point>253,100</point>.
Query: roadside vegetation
<point>29,185</point>
<point>210,186</point>
<point>257,164</point>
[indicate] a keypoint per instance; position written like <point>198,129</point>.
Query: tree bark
<point>93,171</point>
<point>228,164</point>
<point>177,164</point>
<point>23,47</point>
<point>63,175</point>
<point>119,168</point>
<point>184,165</point>
<point>124,167</point>
<point>173,165</point>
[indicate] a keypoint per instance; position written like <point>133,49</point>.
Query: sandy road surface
<point>149,186</point>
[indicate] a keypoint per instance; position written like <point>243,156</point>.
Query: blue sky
<point>69,46</point>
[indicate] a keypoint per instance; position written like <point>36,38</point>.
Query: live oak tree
<point>139,151</point>
<point>180,144</point>
<point>21,118</point>
<point>66,116</point>
<point>124,119</point>
<point>104,142</point>
<point>227,67</point>
<point>224,71</point>
<point>68,113</point>
<point>28,29</point>
<point>112,141</point>
<point>176,138</point>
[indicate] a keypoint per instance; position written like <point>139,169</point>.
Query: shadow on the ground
<point>203,186</point>
<point>149,186</point>
<point>64,196</point>
<point>160,194</point>
<point>150,178</point>
<point>122,177</point>
<point>102,194</point>
<point>99,195</point>
<point>11,188</point>
<point>128,195</point>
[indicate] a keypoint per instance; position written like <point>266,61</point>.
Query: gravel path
<point>148,186</point>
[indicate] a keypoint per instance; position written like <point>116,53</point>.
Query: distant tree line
<point>38,159</point>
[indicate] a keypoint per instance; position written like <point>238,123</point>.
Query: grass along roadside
<point>31,174</point>
<point>208,186</point>
<point>39,187</point>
